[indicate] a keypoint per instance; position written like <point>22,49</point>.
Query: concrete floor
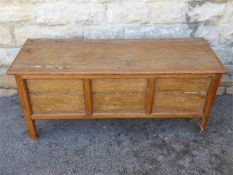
<point>117,147</point>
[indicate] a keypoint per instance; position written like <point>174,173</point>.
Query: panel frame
<point>30,118</point>
<point>88,97</point>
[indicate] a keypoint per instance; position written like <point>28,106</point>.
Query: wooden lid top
<point>144,56</point>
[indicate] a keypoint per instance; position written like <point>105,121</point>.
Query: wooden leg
<point>31,127</point>
<point>23,94</point>
<point>203,123</point>
<point>210,100</point>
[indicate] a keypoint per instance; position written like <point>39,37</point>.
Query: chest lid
<point>144,56</point>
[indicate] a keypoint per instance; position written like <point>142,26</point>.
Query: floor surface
<point>117,147</point>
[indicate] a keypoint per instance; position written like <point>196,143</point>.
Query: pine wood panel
<point>119,102</point>
<point>55,85</point>
<point>119,95</point>
<point>183,85</point>
<point>178,102</point>
<point>48,103</point>
<point>142,56</point>
<point>119,85</point>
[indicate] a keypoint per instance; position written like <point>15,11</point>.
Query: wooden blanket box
<point>88,79</point>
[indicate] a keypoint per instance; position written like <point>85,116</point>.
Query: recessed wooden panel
<point>119,85</point>
<point>119,102</point>
<point>45,103</point>
<point>183,85</point>
<point>119,95</point>
<point>55,85</point>
<point>178,102</point>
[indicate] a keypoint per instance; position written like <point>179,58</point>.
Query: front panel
<point>56,96</point>
<point>177,95</point>
<point>171,102</point>
<point>119,95</point>
<point>53,103</point>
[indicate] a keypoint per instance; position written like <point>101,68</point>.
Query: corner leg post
<point>210,100</point>
<point>24,99</point>
<point>203,123</point>
<point>31,127</point>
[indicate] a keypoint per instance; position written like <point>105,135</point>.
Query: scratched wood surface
<point>144,56</point>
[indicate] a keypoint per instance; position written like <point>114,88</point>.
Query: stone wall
<point>22,19</point>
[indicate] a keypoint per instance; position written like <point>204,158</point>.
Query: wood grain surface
<point>119,95</point>
<point>26,105</point>
<point>87,79</point>
<point>54,103</point>
<point>119,85</point>
<point>119,102</point>
<point>144,56</point>
<point>183,85</point>
<point>88,96</point>
<point>55,85</point>
<point>178,102</point>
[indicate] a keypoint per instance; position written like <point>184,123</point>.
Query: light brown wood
<point>144,56</point>
<point>119,102</point>
<point>55,85</point>
<point>115,76</point>
<point>49,103</point>
<point>183,85</point>
<point>114,116</point>
<point>23,94</point>
<point>93,79</point>
<point>119,85</point>
<point>178,102</point>
<point>88,96</point>
<point>119,95</point>
<point>149,95</point>
<point>210,101</point>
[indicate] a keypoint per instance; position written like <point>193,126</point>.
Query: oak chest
<point>86,79</point>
